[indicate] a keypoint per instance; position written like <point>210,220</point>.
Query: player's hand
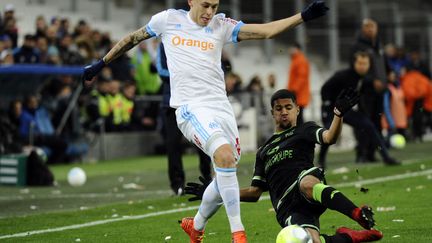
<point>91,71</point>
<point>314,10</point>
<point>345,101</point>
<point>197,189</point>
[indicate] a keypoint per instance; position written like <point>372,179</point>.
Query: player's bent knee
<point>224,156</point>
<point>307,184</point>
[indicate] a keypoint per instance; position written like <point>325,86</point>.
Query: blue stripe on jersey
<point>225,169</point>
<point>236,31</point>
<point>195,123</point>
<point>150,31</point>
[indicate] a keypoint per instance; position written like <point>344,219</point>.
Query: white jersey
<point>194,54</point>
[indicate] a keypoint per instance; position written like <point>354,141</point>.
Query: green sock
<point>332,199</point>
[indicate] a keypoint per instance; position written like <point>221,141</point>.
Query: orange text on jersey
<point>203,45</point>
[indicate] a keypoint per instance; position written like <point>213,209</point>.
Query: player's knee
<point>307,184</point>
<point>224,157</point>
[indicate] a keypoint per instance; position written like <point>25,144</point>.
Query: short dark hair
<point>283,94</point>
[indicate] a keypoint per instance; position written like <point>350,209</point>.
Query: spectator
<point>41,26</point>
<point>42,49</point>
<point>271,82</point>
<point>9,24</point>
<point>68,55</point>
<point>146,76</point>
<point>417,63</point>
<point>256,90</point>
<point>37,129</point>
<point>14,112</point>
<point>395,57</point>
<point>6,57</point>
<point>372,101</point>
<point>233,83</point>
<point>416,89</point>
<point>27,53</point>
<point>299,78</point>
<point>394,118</point>
<point>98,109</point>
<point>121,68</point>
<point>355,78</point>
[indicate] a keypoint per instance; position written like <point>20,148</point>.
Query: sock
<point>337,238</point>
<point>229,190</point>
<point>210,203</point>
<point>332,199</point>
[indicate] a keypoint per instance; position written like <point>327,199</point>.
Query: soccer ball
<point>76,177</point>
<point>293,234</point>
<point>397,141</point>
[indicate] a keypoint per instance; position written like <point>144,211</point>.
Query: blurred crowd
<point>396,87</point>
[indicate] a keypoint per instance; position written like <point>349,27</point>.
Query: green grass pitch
<point>130,201</point>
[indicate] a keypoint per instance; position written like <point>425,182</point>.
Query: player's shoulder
<point>309,124</point>
<point>222,19</point>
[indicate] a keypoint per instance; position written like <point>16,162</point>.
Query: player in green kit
<point>284,167</point>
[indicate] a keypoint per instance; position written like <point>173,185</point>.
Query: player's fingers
<point>193,184</point>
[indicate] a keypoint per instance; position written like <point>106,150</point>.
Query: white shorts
<point>209,126</point>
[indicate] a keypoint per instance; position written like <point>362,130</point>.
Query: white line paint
<point>107,221</point>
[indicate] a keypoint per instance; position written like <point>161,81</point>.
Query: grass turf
<point>105,197</point>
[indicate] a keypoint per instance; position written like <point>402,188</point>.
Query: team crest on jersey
<point>214,125</point>
<point>208,30</point>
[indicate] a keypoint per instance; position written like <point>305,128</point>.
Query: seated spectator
<point>9,24</point>
<point>98,109</point>
<point>41,26</point>
<point>36,129</point>
<point>27,52</point>
<point>6,57</point>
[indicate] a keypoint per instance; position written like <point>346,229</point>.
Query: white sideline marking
<point>106,221</point>
<point>98,222</point>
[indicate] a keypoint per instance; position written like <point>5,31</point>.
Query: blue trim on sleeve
<point>150,31</point>
<point>236,31</point>
<point>387,109</point>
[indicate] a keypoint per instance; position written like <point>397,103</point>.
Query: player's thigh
<point>199,124</point>
<point>226,118</point>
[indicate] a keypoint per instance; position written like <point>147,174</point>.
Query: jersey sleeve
<point>157,24</point>
<point>313,133</point>
<point>231,28</point>
<point>258,179</point>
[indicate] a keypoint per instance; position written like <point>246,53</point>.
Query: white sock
<point>210,203</point>
<point>229,190</point>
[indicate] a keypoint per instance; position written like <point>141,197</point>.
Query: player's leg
<point>199,125</point>
<point>173,144</point>
<point>313,189</point>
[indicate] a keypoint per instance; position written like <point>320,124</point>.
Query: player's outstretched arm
<point>250,194</point>
<point>271,29</point>
<point>344,102</point>
<point>124,45</point>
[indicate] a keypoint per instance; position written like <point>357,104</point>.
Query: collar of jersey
<point>289,129</point>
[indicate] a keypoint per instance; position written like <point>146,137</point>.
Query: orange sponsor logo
<point>202,45</point>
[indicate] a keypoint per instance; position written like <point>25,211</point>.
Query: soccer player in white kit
<point>193,43</point>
